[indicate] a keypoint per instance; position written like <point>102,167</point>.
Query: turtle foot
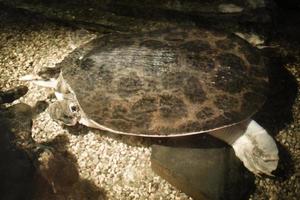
<point>252,145</point>
<point>257,149</point>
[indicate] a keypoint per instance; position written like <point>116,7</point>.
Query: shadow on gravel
<point>277,111</point>
<point>58,176</point>
<point>276,114</point>
<point>29,170</point>
<point>16,169</point>
<point>78,129</point>
<point>285,167</point>
<point>53,177</point>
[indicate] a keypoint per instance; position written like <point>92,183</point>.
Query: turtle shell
<point>169,82</point>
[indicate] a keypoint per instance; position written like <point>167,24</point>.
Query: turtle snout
<point>60,112</point>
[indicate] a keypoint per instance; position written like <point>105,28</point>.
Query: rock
<point>16,120</point>
<point>16,167</point>
<point>132,15</point>
<point>12,94</point>
<point>201,172</point>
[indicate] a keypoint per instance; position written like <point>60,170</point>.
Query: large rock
<point>129,15</point>
<point>16,167</point>
<point>202,171</point>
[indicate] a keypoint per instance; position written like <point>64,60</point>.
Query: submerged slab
<point>202,173</point>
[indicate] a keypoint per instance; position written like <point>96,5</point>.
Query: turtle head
<point>65,111</point>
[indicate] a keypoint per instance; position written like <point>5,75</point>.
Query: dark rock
<point>9,96</point>
<point>16,167</point>
<point>202,173</point>
<point>137,15</point>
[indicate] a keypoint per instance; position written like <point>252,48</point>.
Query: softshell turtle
<point>167,83</point>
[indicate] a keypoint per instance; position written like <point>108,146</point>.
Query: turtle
<point>169,82</point>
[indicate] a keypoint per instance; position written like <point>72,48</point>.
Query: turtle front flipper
<point>38,80</point>
<point>47,77</point>
<point>252,145</point>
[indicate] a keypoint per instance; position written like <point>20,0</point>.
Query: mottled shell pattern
<point>171,82</point>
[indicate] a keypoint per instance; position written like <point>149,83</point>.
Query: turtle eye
<point>73,108</point>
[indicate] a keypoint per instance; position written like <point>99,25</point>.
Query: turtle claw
<point>30,77</point>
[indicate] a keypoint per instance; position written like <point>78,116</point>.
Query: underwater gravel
<point>119,165</point>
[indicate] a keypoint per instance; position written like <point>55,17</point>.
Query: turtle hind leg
<point>252,145</point>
